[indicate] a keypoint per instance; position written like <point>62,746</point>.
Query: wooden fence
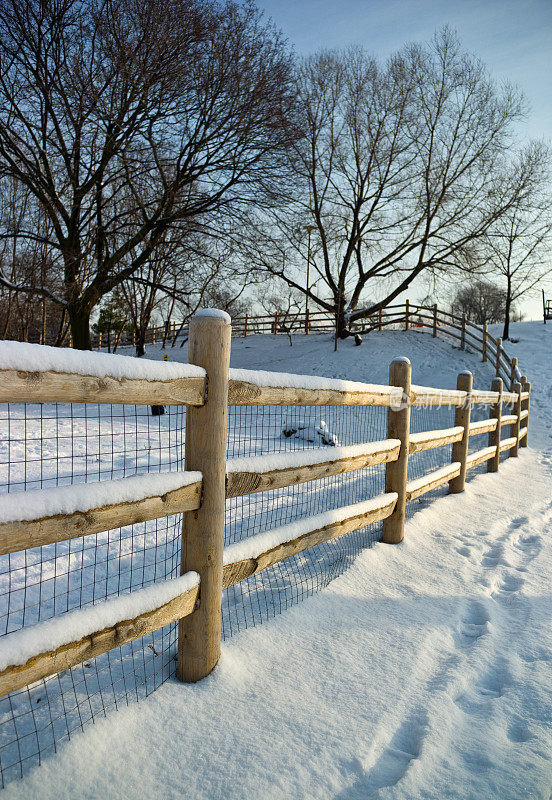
<point>406,315</point>
<point>208,479</point>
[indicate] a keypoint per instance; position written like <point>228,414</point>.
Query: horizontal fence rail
<point>70,653</point>
<point>62,387</point>
<point>246,476</point>
<point>320,529</point>
<point>199,492</point>
<point>89,517</point>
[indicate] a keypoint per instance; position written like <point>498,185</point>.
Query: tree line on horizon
<point>158,157</point>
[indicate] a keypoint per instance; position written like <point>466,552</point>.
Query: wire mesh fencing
<point>59,444</point>
<point>264,430</point>
<point>44,445</point>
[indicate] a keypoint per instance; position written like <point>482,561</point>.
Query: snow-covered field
<point>422,672</point>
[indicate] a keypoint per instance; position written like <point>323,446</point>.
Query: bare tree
<point>30,317</point>
<point>177,280</point>
<point>400,168</point>
<point>287,305</point>
<point>482,301</point>
<point>517,247</point>
<point>127,118</point>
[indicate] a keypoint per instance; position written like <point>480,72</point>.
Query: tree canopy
<point>400,168</point>
<point>123,120</point>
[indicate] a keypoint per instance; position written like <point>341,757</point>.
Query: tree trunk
<point>166,332</point>
<point>507,307</point>
<point>79,320</point>
<point>8,317</point>
<point>140,339</point>
<point>342,328</point>
<point>178,332</point>
<point>117,337</point>
<point>59,338</point>
<point>43,326</point>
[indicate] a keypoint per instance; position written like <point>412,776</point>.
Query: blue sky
<point>513,37</point>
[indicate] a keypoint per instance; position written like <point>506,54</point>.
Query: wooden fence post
<point>407,316</point>
<point>515,427</point>
<point>462,415</point>
<point>396,472</point>
<point>494,436</point>
<point>484,348</point>
<point>435,320</point>
<point>276,318</point>
<point>463,333</point>
<point>203,530</point>
<point>380,319</point>
<point>513,379</point>
<point>498,349</point>
<point>246,324</point>
<point>153,335</point>
<point>525,387</point>
<point>307,321</point>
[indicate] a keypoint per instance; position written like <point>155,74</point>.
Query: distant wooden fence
<point>209,479</point>
<point>408,315</point>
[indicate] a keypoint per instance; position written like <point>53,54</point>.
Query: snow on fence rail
<point>33,373</point>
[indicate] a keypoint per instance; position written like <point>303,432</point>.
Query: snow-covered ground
<point>422,672</point>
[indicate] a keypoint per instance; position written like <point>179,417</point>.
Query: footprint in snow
<point>511,583</point>
<point>489,687</point>
<point>495,682</point>
<point>540,654</point>
<point>517,523</point>
<point>519,732</point>
<point>475,622</point>
<point>493,556</point>
<point>477,761</point>
<point>391,767</point>
<point>530,545</point>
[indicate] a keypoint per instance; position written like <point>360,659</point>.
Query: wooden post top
<point>212,314</point>
<point>400,373</point>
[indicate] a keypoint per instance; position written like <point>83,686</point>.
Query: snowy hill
<point>433,363</point>
<point>422,672</point>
